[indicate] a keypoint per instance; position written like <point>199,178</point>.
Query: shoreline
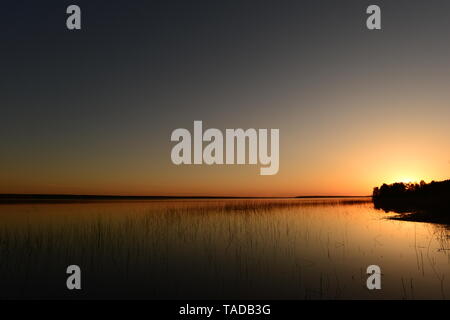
<point>71,198</point>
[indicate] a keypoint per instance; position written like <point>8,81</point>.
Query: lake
<point>220,249</point>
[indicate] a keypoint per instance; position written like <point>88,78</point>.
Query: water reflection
<point>275,248</point>
<point>410,212</point>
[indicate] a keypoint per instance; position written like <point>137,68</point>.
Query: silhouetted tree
<point>414,197</point>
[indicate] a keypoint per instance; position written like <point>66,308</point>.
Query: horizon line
<point>45,196</point>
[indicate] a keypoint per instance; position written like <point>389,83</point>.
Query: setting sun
<point>407,180</point>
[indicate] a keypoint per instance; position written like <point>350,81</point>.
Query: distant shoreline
<point>74,198</point>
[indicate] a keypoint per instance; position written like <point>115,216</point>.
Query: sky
<point>91,111</point>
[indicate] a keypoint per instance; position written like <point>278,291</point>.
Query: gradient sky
<point>91,111</point>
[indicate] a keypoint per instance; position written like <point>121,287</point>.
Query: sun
<point>406,179</point>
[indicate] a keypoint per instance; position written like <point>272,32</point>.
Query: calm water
<point>296,249</point>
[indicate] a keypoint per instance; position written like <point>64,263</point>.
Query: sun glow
<point>406,179</point>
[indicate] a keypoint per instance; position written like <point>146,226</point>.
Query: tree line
<point>400,190</point>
